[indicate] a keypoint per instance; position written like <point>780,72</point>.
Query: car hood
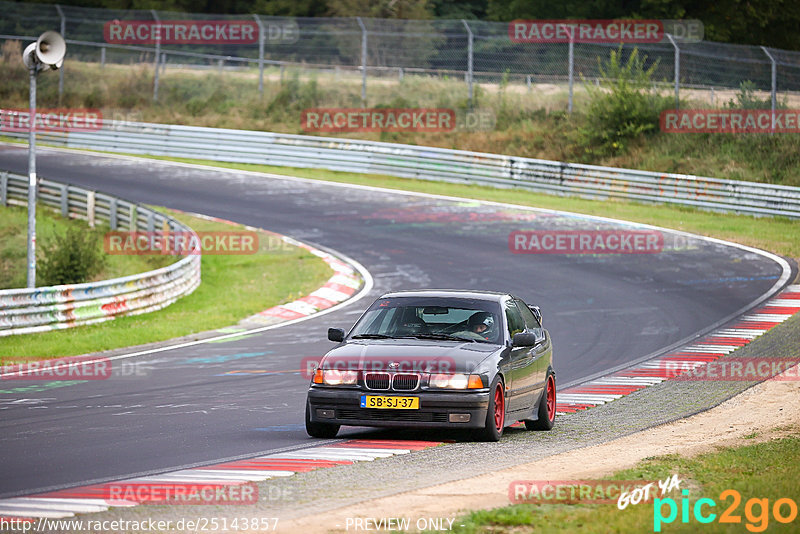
<point>409,355</point>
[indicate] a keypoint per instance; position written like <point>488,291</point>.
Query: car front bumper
<point>447,409</point>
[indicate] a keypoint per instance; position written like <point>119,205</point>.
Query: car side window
<point>530,319</point>
<point>514,319</point>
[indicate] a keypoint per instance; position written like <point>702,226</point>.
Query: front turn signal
<point>475,382</point>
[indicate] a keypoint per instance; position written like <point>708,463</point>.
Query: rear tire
<point>319,430</point>
<point>547,406</point>
<point>496,414</point>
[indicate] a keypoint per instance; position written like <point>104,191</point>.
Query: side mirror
<point>524,339</point>
<point>336,334</point>
<point>537,312</point>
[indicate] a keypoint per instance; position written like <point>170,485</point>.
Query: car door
<point>521,363</point>
<point>540,353</point>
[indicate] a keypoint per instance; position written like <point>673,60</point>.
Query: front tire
<point>496,414</point>
<point>547,406</point>
<point>319,430</point>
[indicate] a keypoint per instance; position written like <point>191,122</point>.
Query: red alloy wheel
<point>500,408</point>
<point>551,398</point>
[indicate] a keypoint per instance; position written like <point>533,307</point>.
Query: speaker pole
<point>32,182</point>
<point>47,52</point>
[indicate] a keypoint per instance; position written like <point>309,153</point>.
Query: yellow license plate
<point>391,403</point>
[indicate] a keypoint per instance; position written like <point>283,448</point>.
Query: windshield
<point>459,319</point>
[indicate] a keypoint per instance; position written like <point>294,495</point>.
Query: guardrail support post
<point>363,62</point>
<point>133,219</point>
<point>151,223</point>
<point>158,54</point>
<point>64,35</point>
<point>102,57</point>
<point>260,55</point>
<point>677,71</point>
<point>90,201</point>
<point>469,59</point>
<point>112,213</point>
<point>4,189</point>
<point>774,85</point>
<point>65,201</point>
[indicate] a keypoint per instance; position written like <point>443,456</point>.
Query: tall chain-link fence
<point>475,51</point>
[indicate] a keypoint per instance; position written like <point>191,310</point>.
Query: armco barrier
<point>24,311</point>
<point>428,163</point>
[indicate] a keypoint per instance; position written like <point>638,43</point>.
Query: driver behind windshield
<point>480,325</point>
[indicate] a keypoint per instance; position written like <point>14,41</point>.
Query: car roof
<point>452,293</point>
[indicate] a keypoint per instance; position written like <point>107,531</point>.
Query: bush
<point>70,258</point>
<point>624,106</point>
<point>746,98</point>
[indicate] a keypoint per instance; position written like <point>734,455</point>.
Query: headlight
<point>335,377</point>
<point>455,381</point>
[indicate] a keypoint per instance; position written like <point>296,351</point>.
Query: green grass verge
<point>529,122</point>
<point>13,246</point>
<point>233,287</point>
<point>776,234</point>
<point>759,471</point>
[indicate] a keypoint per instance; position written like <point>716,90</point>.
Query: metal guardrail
<point>24,311</point>
<point>409,161</point>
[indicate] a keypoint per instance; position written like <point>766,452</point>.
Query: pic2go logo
<point>756,511</point>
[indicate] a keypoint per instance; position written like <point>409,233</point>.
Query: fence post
<point>571,70</point>
<point>363,62</point>
<point>102,57</point>
<point>4,188</point>
<point>677,71</point>
<point>469,59</point>
<point>260,55</point>
<point>774,85</point>
<point>64,35</point>
<point>158,53</point>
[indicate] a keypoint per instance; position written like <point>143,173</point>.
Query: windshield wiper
<point>442,336</point>
<point>371,336</point>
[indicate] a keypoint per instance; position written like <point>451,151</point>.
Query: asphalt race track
<point>602,311</point>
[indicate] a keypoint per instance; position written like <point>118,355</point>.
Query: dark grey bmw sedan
<point>437,358</point>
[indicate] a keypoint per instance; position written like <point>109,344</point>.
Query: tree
<point>385,9</point>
